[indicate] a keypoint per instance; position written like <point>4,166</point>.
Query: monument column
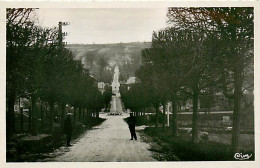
<point>116,94</point>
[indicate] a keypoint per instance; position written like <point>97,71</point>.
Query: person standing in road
<point>131,124</point>
<point>67,129</point>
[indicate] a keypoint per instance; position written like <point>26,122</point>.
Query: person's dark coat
<point>131,121</point>
<point>131,124</point>
<point>67,129</point>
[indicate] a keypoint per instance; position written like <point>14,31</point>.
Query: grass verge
<point>169,148</point>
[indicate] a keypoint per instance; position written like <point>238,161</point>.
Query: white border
<point>127,4</point>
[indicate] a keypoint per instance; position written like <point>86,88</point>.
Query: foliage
<point>40,68</point>
<point>204,51</point>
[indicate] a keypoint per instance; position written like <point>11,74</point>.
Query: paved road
<point>108,142</point>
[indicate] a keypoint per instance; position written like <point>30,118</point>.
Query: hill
<point>100,59</point>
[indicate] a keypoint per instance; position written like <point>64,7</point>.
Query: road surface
<point>108,142</point>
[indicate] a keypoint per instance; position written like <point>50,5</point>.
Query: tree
<point>102,64</point>
<point>40,69</point>
<point>19,38</point>
<point>234,32</point>
<point>173,58</point>
<point>107,97</point>
<point>202,74</point>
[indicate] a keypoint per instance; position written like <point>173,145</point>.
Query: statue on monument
<point>115,83</point>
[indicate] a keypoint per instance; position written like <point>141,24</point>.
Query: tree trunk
<point>46,112</point>
<point>63,106</point>
<point>21,118</point>
<point>163,118</point>
<point>41,116</point>
<point>51,114</point>
<point>107,107</point>
<point>75,111</point>
<point>80,113</point>
<point>97,113</point>
<point>195,129</point>
<point>143,114</point>
<point>9,117</point>
<point>30,120</point>
<point>174,119</point>
<point>156,117</point>
<point>87,115</point>
<point>84,116</point>
<point>33,114</point>
<point>237,106</point>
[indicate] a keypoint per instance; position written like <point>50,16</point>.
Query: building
<point>130,81</point>
<point>101,87</point>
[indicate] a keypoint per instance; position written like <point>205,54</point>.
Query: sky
<point>105,25</point>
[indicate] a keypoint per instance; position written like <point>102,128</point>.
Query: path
<point>108,142</point>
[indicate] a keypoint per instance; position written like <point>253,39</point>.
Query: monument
<point>115,83</point>
<point>116,106</point>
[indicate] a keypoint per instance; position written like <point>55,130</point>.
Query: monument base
<point>114,113</point>
<point>114,110</point>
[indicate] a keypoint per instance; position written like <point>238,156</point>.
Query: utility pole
<point>62,34</point>
<point>60,43</point>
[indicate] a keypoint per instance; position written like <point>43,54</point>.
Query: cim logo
<point>240,156</point>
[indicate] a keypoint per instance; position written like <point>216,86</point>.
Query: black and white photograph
<point>163,84</point>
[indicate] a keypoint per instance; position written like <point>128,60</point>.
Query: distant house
<point>130,81</point>
<point>108,68</point>
<point>101,87</point>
